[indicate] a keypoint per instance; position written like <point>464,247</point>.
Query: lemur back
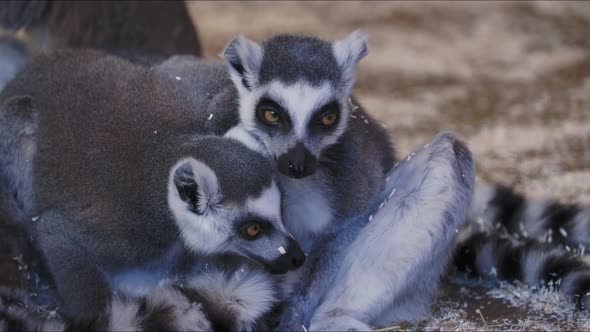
<point>118,177</point>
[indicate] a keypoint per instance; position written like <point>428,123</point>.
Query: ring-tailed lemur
<point>117,183</point>
<point>137,30</point>
<point>218,99</point>
<point>282,100</point>
<point>350,156</point>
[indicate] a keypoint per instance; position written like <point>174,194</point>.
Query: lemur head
<point>227,201</point>
<point>294,94</point>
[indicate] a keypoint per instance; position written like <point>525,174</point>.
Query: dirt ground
<point>511,78</point>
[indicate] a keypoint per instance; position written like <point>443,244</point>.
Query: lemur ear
<point>196,185</point>
<point>348,52</point>
<point>243,58</point>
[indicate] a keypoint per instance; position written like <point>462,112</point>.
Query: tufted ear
<point>243,58</point>
<point>348,52</point>
<point>196,185</point>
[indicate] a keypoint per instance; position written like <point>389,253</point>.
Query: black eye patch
<point>272,114</point>
<point>243,225</point>
<point>326,117</point>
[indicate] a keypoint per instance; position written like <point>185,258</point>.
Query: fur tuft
<point>246,294</point>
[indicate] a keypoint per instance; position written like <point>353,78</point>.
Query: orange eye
<point>253,230</point>
<point>329,119</point>
<point>272,116</point>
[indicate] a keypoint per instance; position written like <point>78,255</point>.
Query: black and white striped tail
<point>530,262</point>
<point>238,299</point>
<point>501,209</point>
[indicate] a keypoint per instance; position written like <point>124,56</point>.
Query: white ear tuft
<point>243,58</point>
<point>348,52</point>
<point>196,185</point>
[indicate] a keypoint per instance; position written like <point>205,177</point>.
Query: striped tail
<point>233,299</point>
<point>530,262</point>
<point>501,209</point>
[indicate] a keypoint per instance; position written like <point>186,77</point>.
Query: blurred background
<point>512,78</point>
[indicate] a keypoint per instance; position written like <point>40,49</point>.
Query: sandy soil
<point>511,78</point>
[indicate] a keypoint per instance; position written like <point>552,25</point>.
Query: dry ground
<point>511,78</point>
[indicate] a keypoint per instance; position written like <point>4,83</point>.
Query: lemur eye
<point>253,230</point>
<point>270,113</point>
<point>329,119</point>
<point>271,116</point>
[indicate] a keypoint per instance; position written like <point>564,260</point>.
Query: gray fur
<point>309,59</point>
<point>343,177</point>
<point>401,282</point>
<point>105,136</point>
<point>349,178</point>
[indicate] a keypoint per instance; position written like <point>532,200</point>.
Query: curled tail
<point>530,262</point>
<point>229,299</point>
<point>501,209</point>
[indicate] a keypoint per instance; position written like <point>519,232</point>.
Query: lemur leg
<point>316,276</point>
<point>406,245</point>
<point>83,288</point>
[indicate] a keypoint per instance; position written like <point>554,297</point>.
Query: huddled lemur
<point>207,85</point>
<point>290,98</point>
<point>119,185</point>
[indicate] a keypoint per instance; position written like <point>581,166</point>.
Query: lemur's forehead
<point>301,99</point>
<point>267,205</point>
<point>290,58</point>
<point>241,172</point>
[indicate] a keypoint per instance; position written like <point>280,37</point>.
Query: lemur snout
<point>291,259</point>
<point>298,162</point>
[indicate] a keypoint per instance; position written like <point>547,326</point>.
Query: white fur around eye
<point>268,204</point>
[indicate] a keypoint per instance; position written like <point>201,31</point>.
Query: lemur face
<point>212,220</point>
<point>294,94</point>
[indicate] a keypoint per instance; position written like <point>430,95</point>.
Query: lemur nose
<point>298,162</point>
<point>296,255</point>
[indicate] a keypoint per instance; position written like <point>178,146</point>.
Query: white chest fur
<point>306,210</point>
